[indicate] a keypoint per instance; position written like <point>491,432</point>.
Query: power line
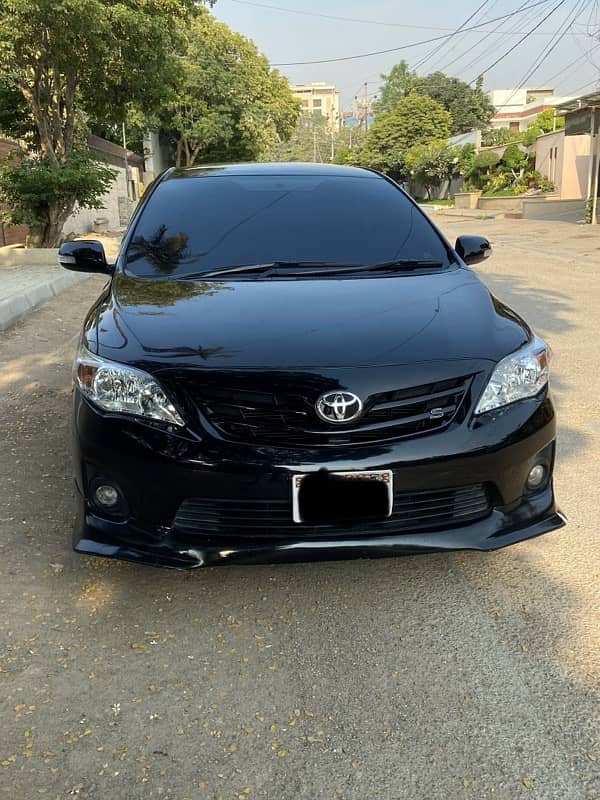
<point>586,53</point>
<point>381,23</point>
<point>562,72</point>
<point>458,30</point>
<point>578,9</point>
<point>481,41</point>
<point>406,46</point>
<point>521,40</point>
<point>539,60</point>
<point>595,82</point>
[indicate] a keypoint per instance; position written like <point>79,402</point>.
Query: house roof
<point>590,100</point>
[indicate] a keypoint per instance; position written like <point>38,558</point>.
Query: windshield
<point>197,224</point>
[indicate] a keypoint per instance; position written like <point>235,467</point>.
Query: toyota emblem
<point>339,406</point>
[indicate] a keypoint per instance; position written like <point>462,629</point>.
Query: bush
<point>37,194</point>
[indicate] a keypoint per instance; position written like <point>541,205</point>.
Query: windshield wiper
<point>240,269</point>
<point>406,263</point>
<point>385,266</point>
<point>306,268</point>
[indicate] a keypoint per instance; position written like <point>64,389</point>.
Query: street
<point>457,676</point>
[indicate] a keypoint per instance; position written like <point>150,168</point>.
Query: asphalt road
<point>460,676</point>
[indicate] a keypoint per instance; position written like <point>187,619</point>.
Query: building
<point>564,160</point>
<point>577,151</point>
<point>517,108</point>
<point>121,198</point>
<point>320,98</point>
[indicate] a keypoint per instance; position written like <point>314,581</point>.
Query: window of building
<point>317,103</point>
<point>513,126</point>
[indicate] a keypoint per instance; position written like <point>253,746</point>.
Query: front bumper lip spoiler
<point>218,551</point>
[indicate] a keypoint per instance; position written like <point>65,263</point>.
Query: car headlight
<point>125,390</point>
<point>520,375</point>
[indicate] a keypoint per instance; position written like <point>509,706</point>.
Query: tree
<point>414,119</point>
<point>229,104</point>
<point>310,140</point>
<point>482,167</point>
<point>36,194</point>
<point>398,83</point>
<point>469,106</point>
<point>431,164</point>
<point>75,59</point>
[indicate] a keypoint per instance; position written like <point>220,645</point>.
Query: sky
<point>567,44</point>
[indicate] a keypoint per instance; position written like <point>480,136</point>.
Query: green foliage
<point>468,106</point>
<point>312,140</point>
<point>481,169</point>
<point>16,121</point>
<point>498,136</point>
<point>465,157</point>
<point>228,104</point>
<point>414,119</point>
<point>35,193</point>
<point>108,55</point>
<point>309,141</point>
<point>514,158</point>
<point>399,82</point>
<point>77,59</point>
<point>544,122</point>
<point>511,174</point>
<point>430,164</point>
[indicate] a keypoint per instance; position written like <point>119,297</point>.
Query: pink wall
<point>565,161</point>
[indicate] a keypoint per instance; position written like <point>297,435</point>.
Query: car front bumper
<point>157,470</point>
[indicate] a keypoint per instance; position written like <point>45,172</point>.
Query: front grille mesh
<point>412,511</point>
<point>289,419</point>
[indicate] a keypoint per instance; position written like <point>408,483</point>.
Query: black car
<point>290,362</point>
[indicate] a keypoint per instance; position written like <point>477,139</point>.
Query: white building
<point>517,108</point>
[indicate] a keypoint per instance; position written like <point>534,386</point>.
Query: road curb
<point>18,305</point>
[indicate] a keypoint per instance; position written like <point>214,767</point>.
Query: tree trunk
<point>51,231</point>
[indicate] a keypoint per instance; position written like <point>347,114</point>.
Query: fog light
<point>106,496</point>
<point>536,477</point>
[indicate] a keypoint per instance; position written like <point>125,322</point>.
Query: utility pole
<point>314,140</point>
<point>333,123</point>
<point>366,106</point>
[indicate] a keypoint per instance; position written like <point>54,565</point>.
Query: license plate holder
<point>366,496</point>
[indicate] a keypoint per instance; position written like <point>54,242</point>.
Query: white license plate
<point>386,476</point>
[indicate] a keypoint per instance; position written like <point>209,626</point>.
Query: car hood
<point>283,324</point>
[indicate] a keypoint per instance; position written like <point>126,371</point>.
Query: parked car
<point>290,362</point>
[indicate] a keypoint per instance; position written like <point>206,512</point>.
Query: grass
<point>502,193</point>
<point>446,202</point>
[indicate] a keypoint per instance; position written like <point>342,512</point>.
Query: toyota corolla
<point>290,362</point>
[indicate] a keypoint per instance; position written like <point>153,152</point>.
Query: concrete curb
<point>11,257</point>
<point>20,304</point>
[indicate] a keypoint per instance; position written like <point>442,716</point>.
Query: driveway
<point>453,676</point>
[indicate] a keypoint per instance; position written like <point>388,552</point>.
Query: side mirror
<point>84,255</point>
<point>473,249</point>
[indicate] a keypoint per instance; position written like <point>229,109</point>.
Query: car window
<point>199,223</point>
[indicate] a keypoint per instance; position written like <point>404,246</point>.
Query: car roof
<point>276,168</point>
